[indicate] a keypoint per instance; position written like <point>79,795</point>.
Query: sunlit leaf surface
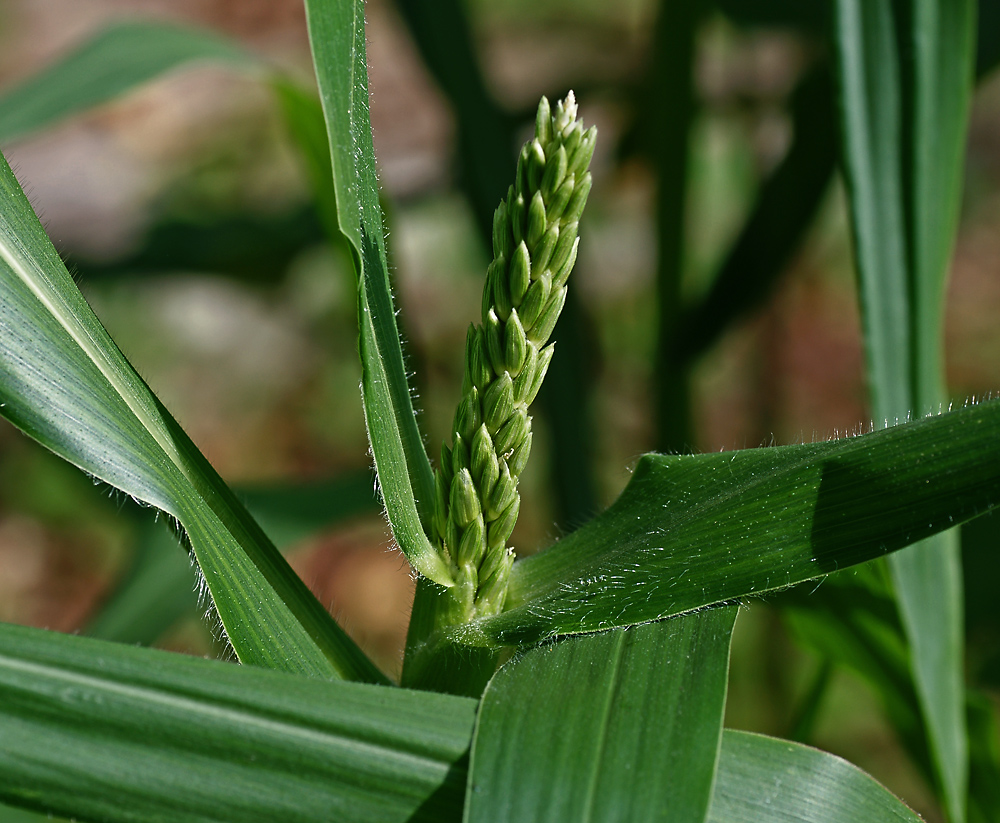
<point>618,726</point>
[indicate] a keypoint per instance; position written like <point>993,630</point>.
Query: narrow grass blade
<point>618,726</point>
<point>907,76</point>
<point>64,382</point>
<point>940,60</point>
<point>116,60</point>
<point>764,780</point>
<point>337,35</point>
<point>102,731</point>
<point>668,116</point>
<point>872,126</point>
<point>690,531</point>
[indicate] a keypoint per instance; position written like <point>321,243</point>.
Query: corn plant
<point>587,681</point>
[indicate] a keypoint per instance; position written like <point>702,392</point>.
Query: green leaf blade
<point>65,383</point>
<point>907,73</point>
<point>78,718</point>
<point>691,531</point>
<point>872,126</point>
<point>336,33</point>
<point>113,62</point>
<point>764,780</point>
<point>623,725</point>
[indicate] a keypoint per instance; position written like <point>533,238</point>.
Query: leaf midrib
<point>212,711</point>
<point>601,743</point>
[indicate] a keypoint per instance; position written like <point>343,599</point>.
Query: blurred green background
<point>715,303</point>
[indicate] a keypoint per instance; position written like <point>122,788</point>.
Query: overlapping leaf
<point>763,780</point>
<point>690,531</point>
<point>906,72</point>
<point>623,725</point>
<point>102,731</point>
<point>65,382</point>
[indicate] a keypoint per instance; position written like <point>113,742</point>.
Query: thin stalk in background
<point>669,114</point>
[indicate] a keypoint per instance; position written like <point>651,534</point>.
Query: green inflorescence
<point>534,248</point>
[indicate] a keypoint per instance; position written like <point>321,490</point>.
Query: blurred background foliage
<point>714,305</point>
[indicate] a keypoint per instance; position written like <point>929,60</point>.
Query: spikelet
<point>534,249</point>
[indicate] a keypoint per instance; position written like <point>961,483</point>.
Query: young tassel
<point>534,248</point>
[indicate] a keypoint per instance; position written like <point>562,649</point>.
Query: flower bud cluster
<point>534,249</point>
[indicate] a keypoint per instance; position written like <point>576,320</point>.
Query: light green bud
<point>555,171</point>
<point>520,183</point>
<point>469,415</point>
<point>464,592</point>
<point>543,121</point>
<point>452,536</point>
<point>464,499</point>
<point>512,432</point>
<point>498,402</point>
<point>519,275</point>
<point>503,493</point>
<point>493,560</point>
<point>518,212</point>
<point>459,455</point>
<point>480,452</point>
<point>541,367</point>
<point>498,531</point>
<point>561,275</point>
<point>445,465</point>
<point>493,338</point>
<point>580,157</point>
<point>535,300</point>
<point>501,233</point>
<point>498,268</point>
<point>493,589</point>
<point>517,461</point>
<point>523,381</point>
<point>560,200</point>
<point>579,199</point>
<point>572,138</point>
<point>515,344</point>
<point>472,543</point>
<point>536,165</point>
<point>542,329</point>
<point>536,219</point>
<point>564,246</point>
<point>501,294</point>
<point>485,465</point>
<point>476,364</point>
<point>543,251</point>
